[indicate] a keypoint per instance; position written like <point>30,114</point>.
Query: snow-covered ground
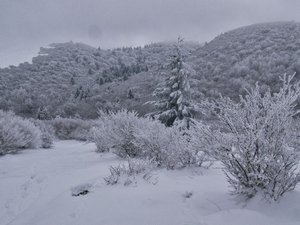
<point>36,189</point>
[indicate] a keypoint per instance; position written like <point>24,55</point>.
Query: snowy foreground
<point>36,188</point>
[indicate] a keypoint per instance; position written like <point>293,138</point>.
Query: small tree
<point>174,99</point>
<point>130,94</point>
<point>43,113</point>
<point>257,144</point>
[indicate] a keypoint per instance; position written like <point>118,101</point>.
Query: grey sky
<point>25,25</point>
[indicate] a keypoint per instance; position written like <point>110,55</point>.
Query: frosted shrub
<point>100,137</point>
<point>47,133</point>
<point>128,135</point>
<point>67,128</point>
<point>168,146</point>
<point>116,131</point>
<point>257,145</point>
<point>17,133</point>
<point>126,173</point>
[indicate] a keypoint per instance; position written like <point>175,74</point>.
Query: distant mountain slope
<point>241,57</point>
<point>70,79</point>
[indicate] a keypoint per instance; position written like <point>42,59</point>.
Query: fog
<point>25,25</point>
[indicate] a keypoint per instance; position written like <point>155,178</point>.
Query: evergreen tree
<point>90,71</point>
<point>72,81</point>
<point>174,100</point>
<point>130,94</point>
<point>43,113</point>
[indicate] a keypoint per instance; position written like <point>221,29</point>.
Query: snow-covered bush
<point>128,135</point>
<point>17,133</point>
<point>126,173</point>
<point>168,146</point>
<point>116,131</point>
<point>257,143</point>
<point>67,128</point>
<point>47,132</point>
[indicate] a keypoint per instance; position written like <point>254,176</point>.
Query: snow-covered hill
<point>36,188</point>
<point>71,78</point>
<point>239,58</point>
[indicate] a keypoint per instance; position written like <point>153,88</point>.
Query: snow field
<point>36,188</point>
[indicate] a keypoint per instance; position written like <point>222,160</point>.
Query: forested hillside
<point>72,79</point>
<point>240,58</point>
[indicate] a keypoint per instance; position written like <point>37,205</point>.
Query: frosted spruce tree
<point>174,98</point>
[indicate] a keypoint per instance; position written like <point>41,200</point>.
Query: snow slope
<point>36,189</point>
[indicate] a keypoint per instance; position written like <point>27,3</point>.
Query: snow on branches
<point>174,100</point>
<point>257,140</point>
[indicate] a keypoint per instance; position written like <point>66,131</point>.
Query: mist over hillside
<point>74,79</point>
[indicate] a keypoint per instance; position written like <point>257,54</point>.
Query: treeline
<point>75,80</point>
<point>66,76</point>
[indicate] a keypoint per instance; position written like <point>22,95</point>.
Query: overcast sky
<point>25,25</point>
